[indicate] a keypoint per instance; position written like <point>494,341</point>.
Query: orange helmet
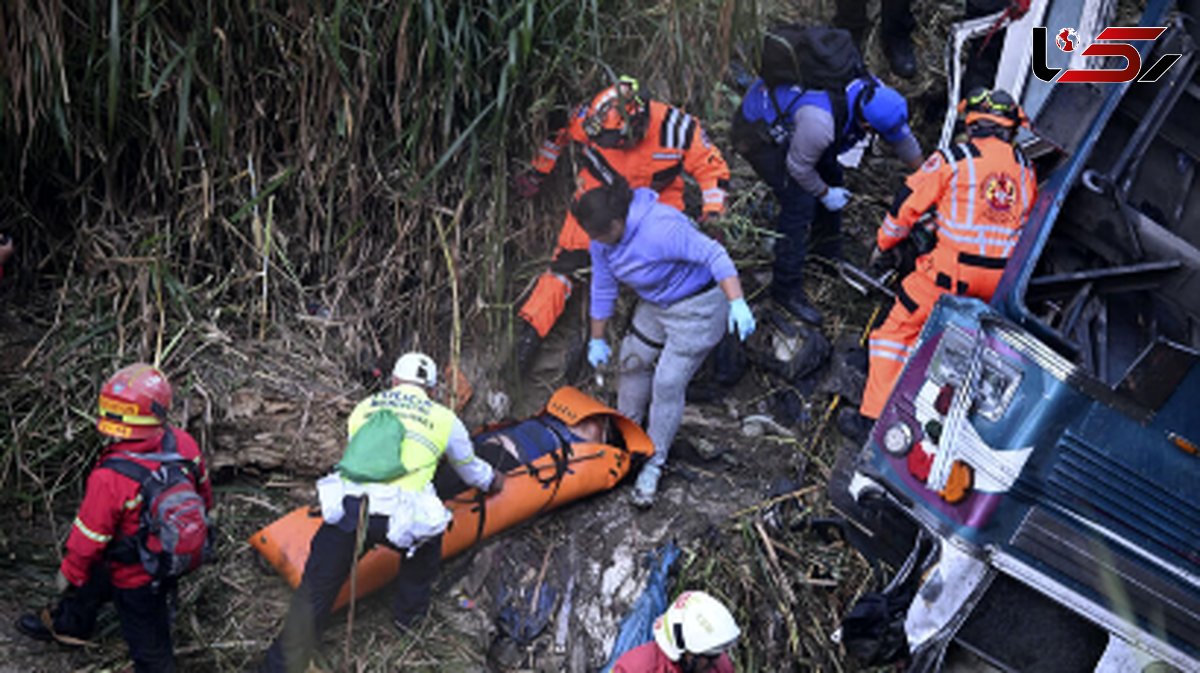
<point>134,403</point>
<point>618,116</point>
<point>992,105</point>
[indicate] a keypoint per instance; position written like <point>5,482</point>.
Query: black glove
<point>882,261</point>
<point>497,484</point>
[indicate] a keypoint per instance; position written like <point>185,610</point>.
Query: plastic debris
<point>635,628</point>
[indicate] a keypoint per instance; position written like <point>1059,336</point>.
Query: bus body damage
<point>1037,459</point>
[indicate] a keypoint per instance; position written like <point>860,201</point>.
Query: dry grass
<point>271,200</point>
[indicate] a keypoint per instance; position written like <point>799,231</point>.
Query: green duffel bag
<point>373,455</point>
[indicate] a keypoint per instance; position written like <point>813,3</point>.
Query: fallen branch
<point>781,580</point>
<point>537,588</point>
<point>797,494</point>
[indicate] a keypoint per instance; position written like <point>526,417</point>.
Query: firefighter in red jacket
<point>620,132</point>
<point>133,411</point>
<point>982,190</point>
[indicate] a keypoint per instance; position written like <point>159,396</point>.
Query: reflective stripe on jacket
<point>982,191</point>
<point>674,144</point>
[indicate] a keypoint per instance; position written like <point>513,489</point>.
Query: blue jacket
<point>790,97</point>
<point>810,121</point>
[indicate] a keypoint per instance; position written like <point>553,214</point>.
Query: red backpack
<point>173,533</point>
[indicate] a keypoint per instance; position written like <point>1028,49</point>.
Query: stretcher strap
<point>562,458</point>
<point>481,507</point>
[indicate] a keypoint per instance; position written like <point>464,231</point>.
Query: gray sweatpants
<point>654,376</point>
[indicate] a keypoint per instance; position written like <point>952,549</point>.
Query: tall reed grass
<point>180,173</point>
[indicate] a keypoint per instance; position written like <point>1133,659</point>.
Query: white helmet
<point>697,623</point>
<point>416,368</point>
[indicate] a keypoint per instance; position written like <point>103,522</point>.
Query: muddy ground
<point>270,416</point>
<point>711,504</point>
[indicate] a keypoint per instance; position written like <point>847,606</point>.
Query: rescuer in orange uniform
<point>620,132</point>
<point>982,190</point>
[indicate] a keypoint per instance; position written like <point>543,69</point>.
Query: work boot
<point>525,346</point>
<point>856,359</point>
<point>32,625</point>
<point>41,627</point>
<point>798,305</point>
<point>899,52</point>
<point>646,486</point>
<point>853,425</point>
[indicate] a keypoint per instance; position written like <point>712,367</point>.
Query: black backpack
<point>873,632</point>
<point>764,144</point>
<point>812,57</point>
<point>815,57</point>
<point>173,536</point>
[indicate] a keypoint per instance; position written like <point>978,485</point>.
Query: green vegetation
<point>179,170</point>
<point>276,196</point>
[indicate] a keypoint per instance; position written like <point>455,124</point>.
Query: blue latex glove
<point>836,198</point>
<point>598,352</point>
<point>741,320</point>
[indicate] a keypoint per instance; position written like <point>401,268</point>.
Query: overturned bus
<point>1035,474</point>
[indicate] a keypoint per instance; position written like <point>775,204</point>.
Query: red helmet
<point>618,116</point>
<point>134,403</point>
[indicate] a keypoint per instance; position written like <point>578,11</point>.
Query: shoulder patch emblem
<point>999,191</point>
<point>933,163</point>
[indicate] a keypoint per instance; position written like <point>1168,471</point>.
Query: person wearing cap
<point>396,440</point>
<point>102,563</point>
<point>622,132</point>
<point>689,292</point>
<point>981,191</point>
<point>809,184</point>
<point>693,636</point>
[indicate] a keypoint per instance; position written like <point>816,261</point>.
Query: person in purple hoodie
<point>690,294</point>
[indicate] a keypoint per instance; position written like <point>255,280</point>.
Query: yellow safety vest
<point>427,426</point>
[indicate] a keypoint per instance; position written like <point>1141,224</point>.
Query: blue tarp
<point>635,628</point>
<point>520,618</point>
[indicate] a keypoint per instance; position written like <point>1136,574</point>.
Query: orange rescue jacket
<point>982,190</point>
<point>674,143</point>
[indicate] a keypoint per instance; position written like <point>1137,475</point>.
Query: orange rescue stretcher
<point>585,461</point>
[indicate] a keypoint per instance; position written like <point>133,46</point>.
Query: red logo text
<point>1116,43</point>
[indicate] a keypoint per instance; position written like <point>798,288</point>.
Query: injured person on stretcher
<point>508,447</point>
<point>574,448</point>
